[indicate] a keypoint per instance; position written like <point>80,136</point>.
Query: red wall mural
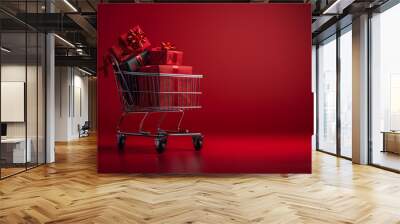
<point>257,114</point>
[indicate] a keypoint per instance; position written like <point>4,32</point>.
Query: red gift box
<point>132,64</point>
<point>130,44</point>
<point>155,88</point>
<point>161,91</point>
<point>134,40</point>
<point>165,55</point>
<point>172,69</point>
<point>158,56</point>
<point>120,53</point>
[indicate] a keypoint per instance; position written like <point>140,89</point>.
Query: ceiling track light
<point>70,5</point>
<point>337,7</point>
<point>327,11</point>
<point>5,50</point>
<point>65,41</point>
<point>84,71</point>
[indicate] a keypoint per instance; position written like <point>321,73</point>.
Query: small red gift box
<point>165,55</point>
<point>135,40</point>
<point>172,69</point>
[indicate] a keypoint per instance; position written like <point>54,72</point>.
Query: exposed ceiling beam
<point>80,20</point>
<point>82,61</point>
<point>320,22</point>
<point>86,26</point>
<point>91,5</point>
<point>16,19</point>
<point>50,22</point>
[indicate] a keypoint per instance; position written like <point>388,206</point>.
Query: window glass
<point>15,149</point>
<point>314,90</point>
<point>385,88</point>
<point>327,96</point>
<point>346,94</point>
<point>22,89</point>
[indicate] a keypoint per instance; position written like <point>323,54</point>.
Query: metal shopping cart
<point>146,93</point>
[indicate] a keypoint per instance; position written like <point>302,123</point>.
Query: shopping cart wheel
<point>161,143</point>
<point>197,142</point>
<point>121,141</point>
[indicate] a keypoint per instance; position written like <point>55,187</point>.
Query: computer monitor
<point>3,129</point>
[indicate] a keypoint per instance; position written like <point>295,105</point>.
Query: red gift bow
<point>167,46</point>
<point>136,38</point>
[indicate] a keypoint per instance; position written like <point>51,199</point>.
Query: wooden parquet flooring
<point>71,191</point>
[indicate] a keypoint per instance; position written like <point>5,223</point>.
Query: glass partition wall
<point>22,77</point>
<point>334,93</point>
<point>385,89</point>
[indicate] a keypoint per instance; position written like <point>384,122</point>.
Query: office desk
<point>391,141</point>
<point>13,150</point>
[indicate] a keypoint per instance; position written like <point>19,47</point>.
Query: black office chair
<point>84,130</point>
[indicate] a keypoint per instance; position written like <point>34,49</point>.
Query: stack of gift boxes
<point>135,54</point>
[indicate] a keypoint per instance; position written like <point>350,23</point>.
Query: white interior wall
<point>80,110</point>
<point>71,102</point>
<point>61,103</point>
<point>14,72</point>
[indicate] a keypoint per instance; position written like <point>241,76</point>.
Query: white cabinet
<point>16,147</point>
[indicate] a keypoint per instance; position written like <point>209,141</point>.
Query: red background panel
<point>257,100</point>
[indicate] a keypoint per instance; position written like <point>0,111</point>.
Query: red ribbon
<point>167,46</point>
<point>136,38</point>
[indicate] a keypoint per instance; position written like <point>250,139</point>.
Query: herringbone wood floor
<point>71,191</point>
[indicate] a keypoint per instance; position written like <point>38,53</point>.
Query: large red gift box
<point>172,69</point>
<point>165,55</point>
<point>160,91</point>
<point>132,64</point>
<point>163,85</point>
<point>134,40</point>
<point>167,92</point>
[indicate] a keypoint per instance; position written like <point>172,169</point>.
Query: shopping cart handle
<point>145,132</point>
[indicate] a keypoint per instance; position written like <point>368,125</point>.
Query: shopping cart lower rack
<point>146,93</point>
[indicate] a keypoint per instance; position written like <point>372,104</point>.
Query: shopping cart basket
<point>146,93</point>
